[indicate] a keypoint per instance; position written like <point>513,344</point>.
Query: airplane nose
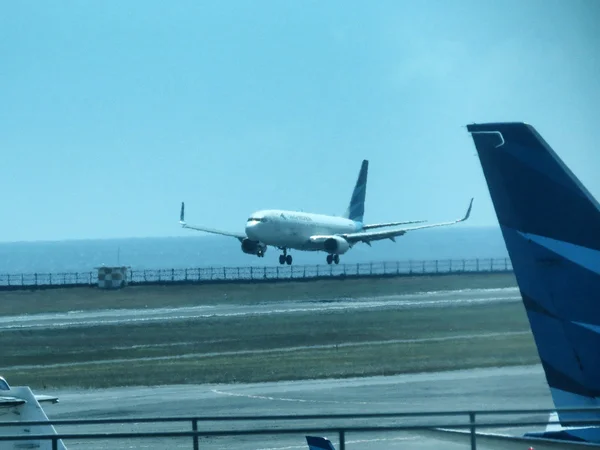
<point>252,230</point>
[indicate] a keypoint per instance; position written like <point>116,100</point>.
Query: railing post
<point>473,436</point>
<point>195,428</point>
<point>342,440</point>
<point>54,443</point>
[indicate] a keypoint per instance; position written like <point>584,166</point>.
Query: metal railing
<point>341,430</point>
<point>267,273</point>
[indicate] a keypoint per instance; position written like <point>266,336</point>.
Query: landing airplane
<point>288,230</point>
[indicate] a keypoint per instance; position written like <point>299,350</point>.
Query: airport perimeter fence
<point>263,274</point>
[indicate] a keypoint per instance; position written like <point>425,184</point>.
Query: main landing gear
<point>333,258</point>
<point>285,258</point>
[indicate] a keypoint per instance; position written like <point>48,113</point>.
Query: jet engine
<point>336,245</point>
<point>253,247</point>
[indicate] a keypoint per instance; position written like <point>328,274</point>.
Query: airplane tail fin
<point>319,443</point>
<point>356,208</point>
<point>551,227</point>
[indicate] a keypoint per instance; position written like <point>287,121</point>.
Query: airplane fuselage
<point>293,229</point>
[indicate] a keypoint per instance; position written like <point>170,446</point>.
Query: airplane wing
<point>7,402</point>
<point>390,224</point>
<point>369,236</point>
<point>239,236</point>
<point>46,398</point>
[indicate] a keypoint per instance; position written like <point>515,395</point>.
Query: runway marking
<point>270,350</point>
<point>283,399</point>
<point>131,316</point>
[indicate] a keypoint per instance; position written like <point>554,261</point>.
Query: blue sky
<point>112,113</point>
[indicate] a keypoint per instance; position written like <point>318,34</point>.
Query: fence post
<point>342,440</point>
<point>195,428</point>
<point>54,443</point>
<point>473,437</point>
<point>172,275</point>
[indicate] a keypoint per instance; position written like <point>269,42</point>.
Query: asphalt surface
<point>129,316</point>
<point>479,389</point>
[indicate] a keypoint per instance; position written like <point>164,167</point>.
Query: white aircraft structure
<point>287,230</point>
<point>19,404</point>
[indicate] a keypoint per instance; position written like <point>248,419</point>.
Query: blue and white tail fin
<point>356,208</point>
<point>551,227</point>
<point>319,443</point>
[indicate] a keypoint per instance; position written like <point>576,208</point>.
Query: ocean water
<point>206,250</point>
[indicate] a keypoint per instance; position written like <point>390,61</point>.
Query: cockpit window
<point>257,219</point>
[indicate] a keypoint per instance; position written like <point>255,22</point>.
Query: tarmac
<point>480,389</point>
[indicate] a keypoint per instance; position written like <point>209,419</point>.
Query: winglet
<point>468,214</point>
<point>182,214</point>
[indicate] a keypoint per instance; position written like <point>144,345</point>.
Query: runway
<point>499,388</point>
<point>436,299</point>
